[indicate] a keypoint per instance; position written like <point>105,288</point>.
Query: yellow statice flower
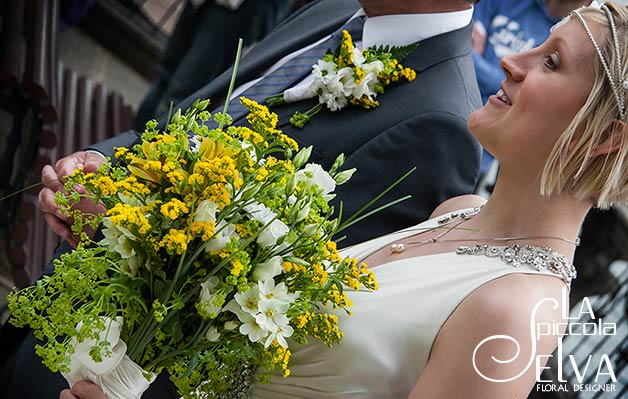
<point>130,217</point>
<point>175,241</point>
<point>204,229</point>
<point>173,209</point>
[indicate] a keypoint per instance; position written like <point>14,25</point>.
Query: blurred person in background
<point>203,45</point>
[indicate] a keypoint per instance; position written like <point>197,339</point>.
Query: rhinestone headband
<point>619,85</point>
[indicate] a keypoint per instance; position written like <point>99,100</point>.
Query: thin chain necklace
<point>398,247</point>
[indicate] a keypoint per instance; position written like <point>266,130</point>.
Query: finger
<point>47,204</point>
<point>67,394</point>
<point>87,390</point>
<point>93,161</point>
<point>50,178</point>
<point>66,165</point>
<point>57,226</point>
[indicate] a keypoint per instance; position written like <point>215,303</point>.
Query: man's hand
<point>52,179</point>
<point>83,390</point>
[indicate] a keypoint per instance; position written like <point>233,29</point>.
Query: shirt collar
<point>404,29</point>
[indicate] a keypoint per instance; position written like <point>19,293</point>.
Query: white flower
<point>373,67</point>
<point>223,235</point>
<point>254,331</point>
<point>260,212</point>
<point>269,291</point>
<point>332,101</point>
<point>211,298</point>
<point>345,75</point>
<point>230,325</point>
<point>273,232</point>
<point>366,87</point>
<point>212,334</point>
<point>272,314</point>
<point>280,333</point>
<point>206,211</point>
<point>313,173</point>
<point>248,300</point>
<point>269,269</point>
<point>117,240</point>
<point>235,308</point>
<point>358,58</point>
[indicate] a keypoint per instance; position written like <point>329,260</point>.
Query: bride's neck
<point>516,209</point>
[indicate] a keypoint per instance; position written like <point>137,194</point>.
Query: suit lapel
<point>321,19</point>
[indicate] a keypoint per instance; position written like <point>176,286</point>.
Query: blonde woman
<point>452,320</point>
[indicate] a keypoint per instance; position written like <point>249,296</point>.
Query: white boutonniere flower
<point>348,76</point>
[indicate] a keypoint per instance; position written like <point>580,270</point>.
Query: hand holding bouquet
<point>215,250</point>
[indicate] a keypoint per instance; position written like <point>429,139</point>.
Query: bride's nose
<point>513,66</point>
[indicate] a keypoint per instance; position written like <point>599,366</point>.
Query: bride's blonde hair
<point>571,164</point>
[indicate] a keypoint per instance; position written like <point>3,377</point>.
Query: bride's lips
<point>500,98</point>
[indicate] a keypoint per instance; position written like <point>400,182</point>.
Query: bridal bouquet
<point>348,76</point>
<point>215,250</point>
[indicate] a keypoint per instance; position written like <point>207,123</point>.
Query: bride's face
<point>543,90</point>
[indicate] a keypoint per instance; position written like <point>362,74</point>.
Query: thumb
<point>92,161</point>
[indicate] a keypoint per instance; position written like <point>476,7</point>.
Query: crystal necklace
<point>514,254</point>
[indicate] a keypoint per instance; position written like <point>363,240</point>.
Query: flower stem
<point>276,99</point>
<point>233,78</point>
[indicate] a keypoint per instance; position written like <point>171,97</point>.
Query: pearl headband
<point>620,84</point>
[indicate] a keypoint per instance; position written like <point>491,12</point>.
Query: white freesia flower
<point>212,334</point>
<point>345,76</point>
<point>224,233</point>
<point>206,212</point>
<point>260,212</point>
<point>272,314</point>
<point>273,232</point>
<point>117,239</point>
<point>313,173</point>
<point>373,67</point>
<point>366,87</point>
<point>269,291</point>
<point>230,325</point>
<point>211,297</point>
<point>235,308</point>
<point>280,333</point>
<point>358,58</point>
<point>267,270</point>
<point>248,300</point>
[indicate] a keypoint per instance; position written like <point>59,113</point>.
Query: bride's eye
<point>552,61</point>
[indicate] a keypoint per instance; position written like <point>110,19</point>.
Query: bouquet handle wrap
<point>117,375</point>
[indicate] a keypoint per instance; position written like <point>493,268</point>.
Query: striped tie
<point>294,70</point>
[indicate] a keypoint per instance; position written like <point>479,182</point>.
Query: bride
<point>461,295</point>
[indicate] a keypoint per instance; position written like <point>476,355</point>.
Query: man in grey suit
<point>420,124</point>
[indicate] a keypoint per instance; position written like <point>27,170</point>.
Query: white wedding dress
<point>388,338</point>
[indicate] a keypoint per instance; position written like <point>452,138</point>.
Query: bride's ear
<point>615,137</point>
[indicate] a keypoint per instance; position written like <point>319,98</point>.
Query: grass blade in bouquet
<point>217,248</point>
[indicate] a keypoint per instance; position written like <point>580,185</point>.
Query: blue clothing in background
<point>511,26</point>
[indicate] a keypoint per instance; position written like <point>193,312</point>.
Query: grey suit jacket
<point>420,124</point>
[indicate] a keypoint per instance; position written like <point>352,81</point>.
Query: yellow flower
<point>206,229</point>
<point>175,241</point>
<point>128,216</point>
<point>173,209</point>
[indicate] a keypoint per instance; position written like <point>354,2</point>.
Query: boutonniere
<point>347,76</point>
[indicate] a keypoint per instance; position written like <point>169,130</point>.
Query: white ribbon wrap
<point>117,375</point>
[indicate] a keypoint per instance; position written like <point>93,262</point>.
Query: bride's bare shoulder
<point>457,203</point>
